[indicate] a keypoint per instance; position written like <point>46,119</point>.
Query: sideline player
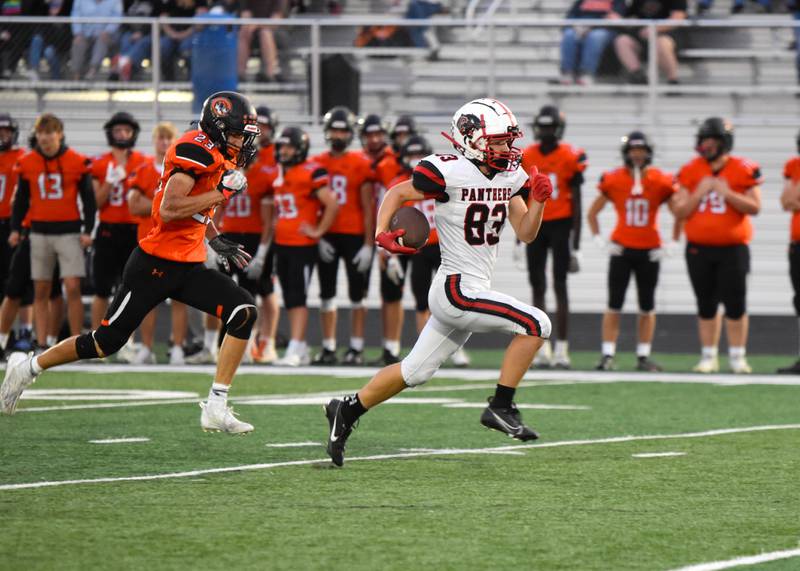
<point>561,224</point>
<point>349,238</point>
<point>718,194</point>
<point>636,190</point>
<point>790,201</point>
<point>198,176</point>
<point>477,190</point>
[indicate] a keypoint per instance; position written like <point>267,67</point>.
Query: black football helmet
<point>405,126</point>
<point>549,124</point>
<point>121,118</point>
<point>8,122</point>
<point>267,117</point>
<point>341,118</point>
<point>229,113</point>
<point>415,145</point>
<point>636,140</point>
<point>369,124</point>
<point>716,128</point>
<point>297,138</point>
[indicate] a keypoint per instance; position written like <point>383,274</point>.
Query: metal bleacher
<point>744,74</point>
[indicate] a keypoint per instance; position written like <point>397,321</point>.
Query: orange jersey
<point>53,184</point>
<point>346,175</point>
<point>386,172</point>
<point>561,165</point>
<point>8,179</point>
<point>715,222</point>
<point>637,208</point>
<point>242,213</point>
<point>792,172</point>
<point>183,240</point>
<point>427,207</point>
<point>145,179</point>
<point>297,202</point>
<point>266,157</point>
<point>115,210</point>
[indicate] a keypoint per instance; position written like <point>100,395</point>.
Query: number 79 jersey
<point>471,211</point>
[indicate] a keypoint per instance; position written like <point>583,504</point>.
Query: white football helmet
<point>481,123</point>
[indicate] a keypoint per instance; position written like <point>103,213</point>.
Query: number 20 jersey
<point>471,211</point>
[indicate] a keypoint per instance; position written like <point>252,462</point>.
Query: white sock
<point>392,346</point>
<point>357,343</point>
<point>210,339</point>
<point>643,349</point>
<point>3,340</point>
<point>270,343</point>
<point>36,368</point>
<point>174,350</point>
<point>218,393</point>
<point>329,344</point>
<point>562,347</point>
<point>736,352</point>
<point>293,348</point>
<point>709,353</point>
<point>51,340</point>
<point>302,347</point>
<point>609,348</point>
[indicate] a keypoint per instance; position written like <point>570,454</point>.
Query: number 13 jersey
<point>471,211</point>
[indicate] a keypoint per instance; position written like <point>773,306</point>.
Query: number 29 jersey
<point>471,211</point>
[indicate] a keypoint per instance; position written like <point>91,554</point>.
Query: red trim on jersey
<point>430,174</point>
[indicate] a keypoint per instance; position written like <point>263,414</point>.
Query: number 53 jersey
<point>471,211</point>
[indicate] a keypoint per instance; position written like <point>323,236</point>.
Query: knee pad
<point>416,374</point>
<point>85,347</point>
<point>108,339</point>
<point>327,305</point>
<point>241,320</point>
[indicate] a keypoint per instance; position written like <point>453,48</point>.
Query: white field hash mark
<point>742,561</point>
<point>440,452</point>
<point>119,440</point>
<point>658,454</point>
<point>292,444</point>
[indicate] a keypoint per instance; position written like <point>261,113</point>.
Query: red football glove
<point>388,241</point>
<point>541,187</point>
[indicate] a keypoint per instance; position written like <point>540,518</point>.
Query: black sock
<point>503,396</point>
<point>352,409</point>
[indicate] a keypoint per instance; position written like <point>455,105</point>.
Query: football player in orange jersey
<point>718,193</point>
<point>55,186</point>
<point>790,201</point>
<point>143,185</point>
<point>10,153</point>
<point>115,236</point>
<point>372,132</point>
<point>199,175</point>
<point>636,191</point>
<point>403,128</point>
<point>306,208</point>
<point>349,238</point>
<point>561,225</point>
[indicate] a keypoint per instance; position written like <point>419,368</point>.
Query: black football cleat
<point>385,359</point>
<point>647,365</point>
<point>353,357</point>
<point>339,431</point>
<point>791,369</point>
<point>326,357</point>
<point>507,421</point>
<point>606,364</point>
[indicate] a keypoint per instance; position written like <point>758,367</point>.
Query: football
<point>415,224</point>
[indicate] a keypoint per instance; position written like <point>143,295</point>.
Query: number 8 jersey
<point>471,211</point>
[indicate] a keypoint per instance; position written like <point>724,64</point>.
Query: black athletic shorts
<point>5,254</point>
<point>19,284</point>
<point>390,291</point>
<point>111,249</point>
<point>148,280</point>
<point>719,274</point>
<point>347,246</point>
<point>553,235</point>
<point>294,266</point>
<point>794,272</point>
<point>250,242</point>
<point>645,272</point>
<point>423,267</point>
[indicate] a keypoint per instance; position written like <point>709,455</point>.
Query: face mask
<point>338,145</point>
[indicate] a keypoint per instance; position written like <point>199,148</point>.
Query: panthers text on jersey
<point>471,211</point>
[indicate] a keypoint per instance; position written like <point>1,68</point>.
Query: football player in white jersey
<point>476,190</point>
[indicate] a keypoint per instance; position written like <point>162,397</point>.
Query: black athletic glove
<point>229,251</point>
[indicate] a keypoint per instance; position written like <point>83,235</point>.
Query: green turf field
<point>424,484</point>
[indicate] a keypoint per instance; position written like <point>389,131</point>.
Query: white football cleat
<point>18,378</point>
<point>460,358</point>
<point>144,356</point>
<point>202,357</point>
<point>544,358</point>
<point>129,352</point>
<point>707,365</point>
<point>176,356</point>
<point>740,366</point>
<point>219,417</point>
<point>561,362</point>
<point>289,360</point>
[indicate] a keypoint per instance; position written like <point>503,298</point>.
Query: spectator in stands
<point>583,47</point>
<point>99,38</point>
<point>424,36</point>
<point>48,40</point>
<point>790,201</point>
<point>176,39</point>
<point>717,195</point>
<point>631,46</point>
<point>136,42</point>
<point>266,38</point>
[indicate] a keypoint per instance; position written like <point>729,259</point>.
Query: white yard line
<point>119,440</point>
<point>742,561</point>
<point>658,455</point>
<point>440,452</point>
<point>292,444</point>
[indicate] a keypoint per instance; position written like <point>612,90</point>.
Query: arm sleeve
<point>577,212</point>
<point>192,159</point>
<point>89,206</point>
<point>524,191</point>
<point>429,180</point>
<point>319,178</point>
<point>22,201</point>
